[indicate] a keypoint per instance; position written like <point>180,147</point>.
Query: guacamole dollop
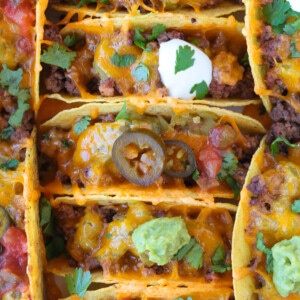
<point>158,240</point>
<point>286,266</point>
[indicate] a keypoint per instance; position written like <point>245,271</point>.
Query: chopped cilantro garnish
<point>201,90</point>
<point>292,28</point>
<point>82,124</point>
<point>58,55</point>
<point>245,60</point>
<point>274,145</point>
<point>156,32</point>
<point>295,207</point>
<point>141,72</point>
<point>229,167</point>
<point>219,261</point>
<point>55,247</point>
<point>65,143</point>
<point>10,80</point>
<point>261,247</point>
<point>122,61</point>
<point>9,164</point>
<point>108,235</point>
<point>123,114</point>
<point>140,41</point>
<point>45,211</point>
<point>277,12</point>
<point>184,58</point>
<point>85,2</point>
<point>79,282</point>
<point>7,132</point>
<point>106,2</point>
<point>16,118</point>
<point>70,40</point>
<point>192,252</point>
<point>294,52</point>
<point>188,298</point>
<point>196,175</point>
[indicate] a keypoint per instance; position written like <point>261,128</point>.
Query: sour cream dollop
<point>295,5</point>
<point>181,83</point>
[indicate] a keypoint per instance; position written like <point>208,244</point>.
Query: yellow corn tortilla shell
<point>20,187</point>
<point>251,30</point>
<point>243,282</point>
<point>140,291</point>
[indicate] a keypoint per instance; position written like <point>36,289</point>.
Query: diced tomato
<point>13,260</point>
<point>209,164</point>
<point>19,12</point>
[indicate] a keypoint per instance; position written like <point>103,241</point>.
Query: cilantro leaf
<point>292,28</point>
<point>86,2</point>
<point>45,211</point>
<point>79,282</point>
<point>10,79</point>
<point>184,58</point>
<point>196,174</point>
<point>122,61</point>
<point>70,40</point>
<point>201,89</point>
<point>245,59</point>
<point>55,247</point>
<point>192,252</point>
<point>65,143</point>
<point>6,132</point>
<point>140,41</point>
<point>16,118</point>
<point>123,114</point>
<point>188,298</point>
<point>58,55</point>
<point>106,2</point>
<point>277,12</point>
<point>9,164</point>
<point>141,72</point>
<point>138,38</point>
<point>261,247</point>
<point>293,49</point>
<point>157,31</point>
<point>82,124</point>
<point>274,144</point>
<point>295,207</point>
<point>229,167</point>
<point>219,261</point>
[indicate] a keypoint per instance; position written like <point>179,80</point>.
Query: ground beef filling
<point>286,123</point>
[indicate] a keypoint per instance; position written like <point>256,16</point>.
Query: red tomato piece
<point>209,164</point>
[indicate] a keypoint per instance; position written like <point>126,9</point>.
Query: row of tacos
<point>140,165</point>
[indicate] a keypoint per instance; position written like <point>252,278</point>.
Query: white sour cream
<point>181,83</point>
<point>295,5</point>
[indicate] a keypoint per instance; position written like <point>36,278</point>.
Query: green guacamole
<point>286,266</point>
<point>158,240</point>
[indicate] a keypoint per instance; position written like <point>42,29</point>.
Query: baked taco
<point>215,7</point>
<point>130,151</point>
<point>20,239</point>
<point>271,29</point>
<point>142,244</point>
<point>158,55</point>
<point>266,232</point>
